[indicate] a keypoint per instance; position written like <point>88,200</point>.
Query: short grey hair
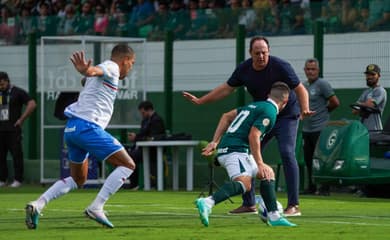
<point>312,60</point>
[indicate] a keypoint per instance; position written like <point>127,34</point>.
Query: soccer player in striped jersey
<point>85,135</point>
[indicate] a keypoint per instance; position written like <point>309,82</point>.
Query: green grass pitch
<point>172,215</point>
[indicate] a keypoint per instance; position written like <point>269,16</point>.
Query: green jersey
<point>261,115</point>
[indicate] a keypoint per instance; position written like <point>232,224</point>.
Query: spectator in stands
<point>198,21</point>
<point>101,20</point>
<point>179,20</point>
<point>291,18</point>
<point>28,4</point>
<point>248,18</point>
<point>348,14</point>
<point>84,22</point>
<point>260,7</point>
<point>141,19</point>
<point>121,5</point>
<point>152,128</point>
<point>287,17</point>
<point>378,15</point>
<point>13,5</point>
<point>204,21</point>
<point>232,20</point>
<point>331,15</point>
<point>271,19</point>
<point>77,6</point>
<point>160,22</point>
<point>298,23</point>
<point>307,18</point>
<point>7,26</point>
<point>27,24</point>
<point>374,96</point>
<point>67,23</point>
<point>118,23</point>
<point>46,23</point>
<point>355,16</point>
<point>360,23</point>
<point>59,8</point>
<point>220,16</point>
<point>36,10</point>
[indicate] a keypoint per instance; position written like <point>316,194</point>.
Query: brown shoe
<point>244,210</point>
<point>292,211</point>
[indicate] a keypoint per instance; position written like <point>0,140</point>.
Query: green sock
<point>267,191</point>
<point>227,190</point>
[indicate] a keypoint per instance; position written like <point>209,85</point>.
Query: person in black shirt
<point>152,128</point>
<point>12,100</point>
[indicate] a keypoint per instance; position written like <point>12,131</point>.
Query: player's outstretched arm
<point>216,94</point>
<point>83,66</point>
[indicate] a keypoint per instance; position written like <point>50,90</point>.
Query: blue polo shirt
<point>259,83</point>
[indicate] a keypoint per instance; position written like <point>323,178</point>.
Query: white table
<point>174,144</point>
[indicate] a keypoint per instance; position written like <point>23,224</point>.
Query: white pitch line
<point>306,219</point>
<point>146,205</point>
<point>347,223</point>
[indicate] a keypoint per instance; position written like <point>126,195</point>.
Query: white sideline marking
<point>347,223</point>
<point>300,219</point>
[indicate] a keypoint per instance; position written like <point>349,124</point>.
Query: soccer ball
<point>262,209</point>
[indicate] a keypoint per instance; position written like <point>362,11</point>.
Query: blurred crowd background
<point>188,19</point>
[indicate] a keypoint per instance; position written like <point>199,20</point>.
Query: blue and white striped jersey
<point>96,100</point>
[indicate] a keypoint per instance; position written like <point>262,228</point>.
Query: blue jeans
<point>285,131</point>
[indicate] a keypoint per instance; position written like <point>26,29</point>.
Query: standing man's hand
<point>192,98</point>
<point>18,123</point>
<point>303,98</point>
<point>307,113</point>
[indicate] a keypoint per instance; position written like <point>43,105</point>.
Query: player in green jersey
<point>239,152</point>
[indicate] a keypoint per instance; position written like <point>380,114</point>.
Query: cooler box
<point>342,152</point>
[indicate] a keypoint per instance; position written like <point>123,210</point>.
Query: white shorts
<point>238,164</point>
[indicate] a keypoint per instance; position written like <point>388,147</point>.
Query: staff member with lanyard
<point>12,100</point>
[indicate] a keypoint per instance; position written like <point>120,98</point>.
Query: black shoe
<point>131,186</point>
<point>323,191</point>
<point>311,190</point>
<point>308,192</point>
<point>134,188</point>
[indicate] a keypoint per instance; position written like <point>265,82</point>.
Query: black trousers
<point>11,141</point>
<point>309,145</point>
<point>136,154</point>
